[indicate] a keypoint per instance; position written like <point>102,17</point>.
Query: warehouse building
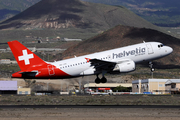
<point>8,87</point>
<point>24,91</point>
<point>11,87</point>
<point>155,86</point>
<point>173,86</point>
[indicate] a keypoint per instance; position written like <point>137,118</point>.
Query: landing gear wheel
<point>152,69</point>
<point>151,66</point>
<point>97,80</point>
<point>103,80</point>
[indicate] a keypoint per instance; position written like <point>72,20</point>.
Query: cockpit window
<point>161,45</point>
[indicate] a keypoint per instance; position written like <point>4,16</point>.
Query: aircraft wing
<point>102,65</point>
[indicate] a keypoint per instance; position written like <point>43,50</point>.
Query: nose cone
<point>169,50</point>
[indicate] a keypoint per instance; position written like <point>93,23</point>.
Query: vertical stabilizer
<point>24,57</point>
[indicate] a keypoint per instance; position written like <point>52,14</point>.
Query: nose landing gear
<point>152,69</point>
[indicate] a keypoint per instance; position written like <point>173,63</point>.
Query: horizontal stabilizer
<point>28,74</point>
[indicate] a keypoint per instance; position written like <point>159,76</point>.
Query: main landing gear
<point>102,80</point>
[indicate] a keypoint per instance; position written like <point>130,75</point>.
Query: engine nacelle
<point>125,66</point>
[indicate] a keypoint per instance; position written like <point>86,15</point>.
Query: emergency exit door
<point>150,49</point>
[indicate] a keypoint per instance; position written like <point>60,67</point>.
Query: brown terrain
<point>90,114</point>
<point>61,14</point>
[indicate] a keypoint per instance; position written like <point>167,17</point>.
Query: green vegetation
<point>122,89</point>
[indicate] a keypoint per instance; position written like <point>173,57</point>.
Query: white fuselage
<point>139,52</point>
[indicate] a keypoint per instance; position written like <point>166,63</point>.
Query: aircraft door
<point>51,70</point>
<point>150,49</point>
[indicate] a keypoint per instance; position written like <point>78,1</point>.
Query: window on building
<point>173,85</point>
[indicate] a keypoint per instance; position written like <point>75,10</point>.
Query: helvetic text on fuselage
<point>136,52</point>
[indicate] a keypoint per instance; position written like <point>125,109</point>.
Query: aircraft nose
<point>169,50</point>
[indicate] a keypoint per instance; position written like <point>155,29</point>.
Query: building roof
<point>8,85</point>
<point>172,81</point>
<point>108,85</point>
<point>167,81</point>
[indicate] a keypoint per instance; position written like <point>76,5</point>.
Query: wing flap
<point>102,65</point>
<point>108,66</point>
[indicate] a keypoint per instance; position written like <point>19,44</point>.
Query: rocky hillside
<point>61,14</point>
<point>122,36</point>
<point>9,8</point>
<point>163,13</point>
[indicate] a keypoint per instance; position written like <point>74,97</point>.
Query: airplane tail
<point>24,57</point>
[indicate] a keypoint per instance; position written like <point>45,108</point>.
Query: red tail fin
<point>24,57</point>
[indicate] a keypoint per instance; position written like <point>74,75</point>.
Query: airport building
<point>155,86</point>
<point>24,91</point>
<point>8,87</point>
<point>173,86</point>
<point>11,87</point>
<point>7,61</point>
<point>105,87</point>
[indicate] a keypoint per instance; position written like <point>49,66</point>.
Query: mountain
<point>120,36</point>
<point>60,14</point>
<point>9,8</point>
<point>163,13</point>
<point>68,18</point>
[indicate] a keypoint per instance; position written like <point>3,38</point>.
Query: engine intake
<point>125,66</point>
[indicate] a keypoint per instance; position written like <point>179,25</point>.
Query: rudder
<point>24,57</point>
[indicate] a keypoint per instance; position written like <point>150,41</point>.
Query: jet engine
<point>125,66</point>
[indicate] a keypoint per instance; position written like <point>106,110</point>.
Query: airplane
<point>121,60</point>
